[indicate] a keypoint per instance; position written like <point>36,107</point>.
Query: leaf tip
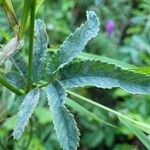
<point>93,19</point>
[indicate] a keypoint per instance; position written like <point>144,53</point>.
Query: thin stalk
<point>31,39</point>
<point>8,17</point>
<point>79,108</point>
<point>10,8</point>
<point>24,20</point>
<point>109,110</point>
<point>13,15</point>
<point>93,103</point>
<point>10,87</point>
<point>26,9</point>
<point>36,10</point>
<point>5,35</point>
<point>30,135</point>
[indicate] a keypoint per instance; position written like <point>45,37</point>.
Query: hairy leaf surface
<point>103,75</point>
<point>64,124</point>
<point>40,48</point>
<point>75,43</point>
<point>20,64</point>
<point>25,111</point>
<point>15,79</point>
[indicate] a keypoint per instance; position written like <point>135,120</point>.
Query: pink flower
<point>109,27</point>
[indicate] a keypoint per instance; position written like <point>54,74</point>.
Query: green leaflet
<point>133,128</point>
<point>103,75</point>
<point>74,44</point>
<point>40,49</point>
<point>15,79</point>
<point>64,124</point>
<point>25,111</point>
<point>20,65</point>
<point>116,62</point>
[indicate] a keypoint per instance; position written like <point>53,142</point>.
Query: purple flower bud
<point>109,27</point>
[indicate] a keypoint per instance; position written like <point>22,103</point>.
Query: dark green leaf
<point>103,75</point>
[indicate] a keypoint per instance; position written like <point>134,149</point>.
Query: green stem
<point>9,6</point>
<point>10,87</point>
<point>31,40</point>
<point>140,124</point>
<point>25,19</point>
<point>93,103</point>
<point>81,109</point>
<point>26,9</point>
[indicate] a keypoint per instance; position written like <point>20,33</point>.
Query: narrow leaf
<point>40,48</point>
<point>83,111</point>
<point>25,111</point>
<point>145,70</point>
<point>143,126</point>
<point>20,65</point>
<point>103,75</point>
<point>64,124</point>
<point>116,62</point>
<point>75,43</point>
<point>10,49</point>
<point>133,128</point>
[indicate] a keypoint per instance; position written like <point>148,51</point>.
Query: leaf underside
<point>25,111</point>
<point>64,123</point>
<point>74,44</point>
<point>103,75</point>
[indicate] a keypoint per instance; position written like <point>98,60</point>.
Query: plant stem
<point>8,17</point>
<point>79,108</point>
<point>26,9</point>
<point>10,9</point>
<point>31,39</point>
<point>118,114</point>
<point>93,103</point>
<point>10,87</point>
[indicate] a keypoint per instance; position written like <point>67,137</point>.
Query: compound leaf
<point>104,75</point>
<point>25,111</point>
<point>74,44</point>
<point>64,123</point>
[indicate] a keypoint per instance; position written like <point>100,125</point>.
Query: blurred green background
<point>124,35</point>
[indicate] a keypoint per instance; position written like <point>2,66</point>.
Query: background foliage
<point>128,43</point>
